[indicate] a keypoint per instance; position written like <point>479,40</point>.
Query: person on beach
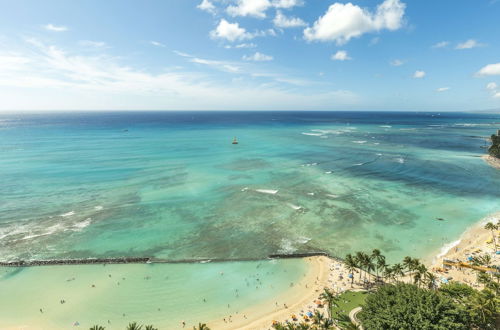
<point>183,324</point>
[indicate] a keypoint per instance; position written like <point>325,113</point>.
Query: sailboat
<point>235,141</point>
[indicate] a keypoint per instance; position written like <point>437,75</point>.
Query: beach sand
<point>495,162</point>
<point>324,272</point>
<point>473,242</point>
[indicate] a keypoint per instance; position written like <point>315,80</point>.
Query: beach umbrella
<point>350,275</point>
<point>309,314</point>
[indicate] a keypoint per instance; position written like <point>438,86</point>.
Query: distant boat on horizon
<point>235,141</point>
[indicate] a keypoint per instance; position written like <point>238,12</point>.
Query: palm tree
<point>397,270</point>
<point>490,226</point>
<point>351,265</point>
<point>97,327</point>
<point>360,258</point>
<point>418,276</point>
<point>331,300</point>
<point>431,280</point>
<point>379,259</point>
<point>201,326</point>
<point>134,326</point>
<point>150,327</point>
<point>388,273</point>
<point>318,317</point>
<point>327,324</point>
<point>369,265</point>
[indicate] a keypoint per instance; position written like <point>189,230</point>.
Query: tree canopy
<point>403,306</point>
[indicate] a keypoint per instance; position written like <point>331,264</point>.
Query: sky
<point>415,55</point>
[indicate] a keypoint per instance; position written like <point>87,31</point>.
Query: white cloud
<point>492,86</point>
<point>490,70</point>
<point>207,6</point>
<point>341,55</point>
<point>156,43</point>
<point>345,21</point>
<point>397,62</point>
<point>374,41</point>
<point>441,44</point>
<point>471,43</point>
<point>90,43</point>
<point>246,45</point>
<point>55,28</point>
<point>282,21</point>
<point>230,31</point>
<point>442,89</point>
<point>287,3</point>
<point>51,78</point>
<point>419,74</point>
<point>220,65</point>
<point>256,8</point>
<point>258,57</point>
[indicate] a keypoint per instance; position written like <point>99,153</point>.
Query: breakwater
<point>145,260</point>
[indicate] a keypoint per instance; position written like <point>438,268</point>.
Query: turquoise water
<point>172,185</point>
<point>159,294</point>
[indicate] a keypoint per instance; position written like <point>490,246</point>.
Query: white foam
<point>328,172</point>
<point>267,191</point>
<point>98,208</point>
<point>312,134</point>
<point>83,224</point>
<point>359,142</point>
<point>70,213</point>
<point>385,126</point>
<point>379,154</point>
<point>310,193</point>
<point>400,160</point>
<point>376,143</point>
<point>447,247</point>
<point>295,207</point>
<point>358,164</point>
<point>332,195</point>
<point>286,246</point>
<point>244,189</point>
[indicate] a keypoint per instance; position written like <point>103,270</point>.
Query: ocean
<point>172,185</point>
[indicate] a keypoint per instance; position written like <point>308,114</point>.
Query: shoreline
<point>475,240</point>
<point>326,271</point>
<point>492,161</point>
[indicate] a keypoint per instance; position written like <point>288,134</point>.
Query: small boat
<point>235,141</point>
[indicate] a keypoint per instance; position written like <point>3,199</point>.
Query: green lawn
<point>347,302</point>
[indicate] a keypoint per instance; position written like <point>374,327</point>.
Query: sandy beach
<point>473,242</point>
<point>324,272</point>
<point>495,162</point>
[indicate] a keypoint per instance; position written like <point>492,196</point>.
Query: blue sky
<point>250,55</point>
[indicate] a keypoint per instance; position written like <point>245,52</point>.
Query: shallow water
<point>172,185</point>
<point>158,294</point>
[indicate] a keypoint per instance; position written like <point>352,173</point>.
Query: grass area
<point>347,302</point>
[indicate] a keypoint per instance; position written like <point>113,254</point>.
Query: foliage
<point>402,306</point>
<point>456,291</point>
<point>97,327</point>
<point>494,150</point>
<point>134,326</point>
